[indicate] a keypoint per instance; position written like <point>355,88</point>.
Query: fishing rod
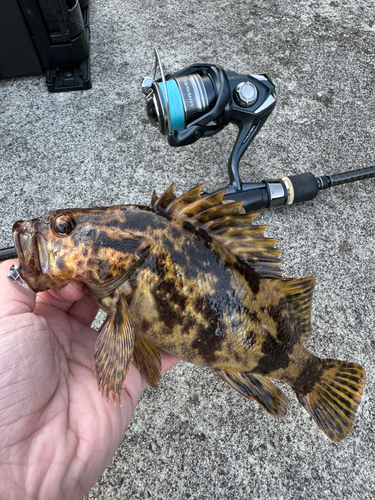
<point>292,189</point>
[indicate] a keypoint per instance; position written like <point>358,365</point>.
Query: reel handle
<point>248,129</point>
<point>249,119</point>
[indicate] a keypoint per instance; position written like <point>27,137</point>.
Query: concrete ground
<point>195,437</point>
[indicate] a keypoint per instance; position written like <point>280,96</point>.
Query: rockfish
<point>192,276</point>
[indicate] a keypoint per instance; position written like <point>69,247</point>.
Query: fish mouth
<point>32,255</point>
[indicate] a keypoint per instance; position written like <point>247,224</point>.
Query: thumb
<point>14,298</point>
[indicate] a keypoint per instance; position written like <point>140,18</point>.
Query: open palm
<point>57,432</point>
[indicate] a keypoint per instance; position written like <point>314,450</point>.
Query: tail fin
<point>334,397</point>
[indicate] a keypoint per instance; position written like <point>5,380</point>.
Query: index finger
<point>14,298</point>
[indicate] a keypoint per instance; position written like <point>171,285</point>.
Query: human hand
<point>57,432</point>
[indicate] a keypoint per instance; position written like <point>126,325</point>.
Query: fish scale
<point>192,276</point>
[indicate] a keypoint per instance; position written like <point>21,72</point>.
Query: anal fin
<point>114,346</point>
<point>146,358</point>
<point>253,386</point>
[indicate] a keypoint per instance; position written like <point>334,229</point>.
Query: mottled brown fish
<point>195,277</point>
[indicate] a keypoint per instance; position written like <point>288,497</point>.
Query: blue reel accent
<point>176,108</point>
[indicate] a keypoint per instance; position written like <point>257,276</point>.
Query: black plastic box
<point>52,36</point>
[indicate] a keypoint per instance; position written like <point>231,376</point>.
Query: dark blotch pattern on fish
<point>60,263</point>
<point>249,339</point>
<point>275,357</point>
<point>209,337</point>
<point>169,300</point>
<point>277,350</point>
<point>125,245</point>
<point>199,232</point>
<point>311,373</point>
<point>253,316</point>
<point>189,325</point>
<point>252,278</point>
<point>119,317</point>
<point>167,289</point>
<point>284,330</point>
<point>195,259</point>
<point>206,342</point>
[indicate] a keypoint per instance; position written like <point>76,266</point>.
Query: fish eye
<point>63,225</point>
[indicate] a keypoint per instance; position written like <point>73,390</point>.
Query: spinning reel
<point>202,99</point>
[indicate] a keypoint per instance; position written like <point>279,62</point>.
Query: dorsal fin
<point>297,294</point>
<point>204,204</point>
<point>165,199</point>
<point>218,211</point>
<point>154,198</point>
<point>241,220</point>
<point>228,223</point>
<point>178,205</point>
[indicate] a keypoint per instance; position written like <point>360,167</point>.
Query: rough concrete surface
<point>195,437</point>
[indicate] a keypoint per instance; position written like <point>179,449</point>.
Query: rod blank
<point>8,253</point>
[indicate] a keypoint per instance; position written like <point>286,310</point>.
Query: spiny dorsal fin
<point>178,205</point>
<point>241,220</point>
<point>154,198</point>
<point>165,199</point>
<point>203,204</point>
<point>250,244</point>
<point>218,211</point>
<point>228,223</point>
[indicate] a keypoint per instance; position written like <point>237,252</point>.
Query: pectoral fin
<point>146,358</point>
<point>114,346</point>
<point>257,387</point>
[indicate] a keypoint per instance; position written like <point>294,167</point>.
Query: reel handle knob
<point>246,94</point>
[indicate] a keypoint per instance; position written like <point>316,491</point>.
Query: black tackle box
<point>46,36</point>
